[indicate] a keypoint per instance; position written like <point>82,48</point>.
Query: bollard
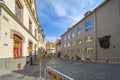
<point>19,65</point>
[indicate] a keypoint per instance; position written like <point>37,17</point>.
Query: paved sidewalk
<point>30,72</point>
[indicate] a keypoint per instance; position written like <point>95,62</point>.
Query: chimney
<point>68,28</point>
<point>87,13</point>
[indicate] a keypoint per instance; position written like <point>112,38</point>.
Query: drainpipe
<point>119,7</point>
<point>0,22</point>
<point>95,35</point>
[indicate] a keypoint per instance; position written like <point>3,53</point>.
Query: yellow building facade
<point>41,41</point>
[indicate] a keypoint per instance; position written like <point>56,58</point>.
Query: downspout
<point>95,35</point>
<point>0,21</point>
<point>119,7</point>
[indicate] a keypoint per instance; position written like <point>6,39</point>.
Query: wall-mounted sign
<point>5,44</point>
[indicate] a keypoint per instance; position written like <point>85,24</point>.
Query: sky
<point>56,16</point>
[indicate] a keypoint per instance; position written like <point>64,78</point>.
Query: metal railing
<point>52,74</point>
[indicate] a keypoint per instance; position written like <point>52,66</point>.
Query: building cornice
<point>2,5</point>
<point>31,13</point>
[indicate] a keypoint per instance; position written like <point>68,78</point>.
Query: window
<point>52,45</point>
<point>73,43</point>
<point>17,47</point>
<point>18,10</point>
<point>33,12</point>
<point>64,45</point>
<point>79,30</point>
<point>68,44</point>
<point>30,1</point>
<point>79,41</point>
<point>30,48</point>
<point>68,36</point>
<point>73,33</point>
<point>0,11</point>
<point>65,37</point>
<point>89,50</point>
<point>35,33</point>
<point>88,24</point>
<point>72,50</point>
<point>68,50</point>
<point>30,26</point>
<point>79,50</point>
<point>89,39</point>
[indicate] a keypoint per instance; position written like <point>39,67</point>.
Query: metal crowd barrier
<point>52,74</point>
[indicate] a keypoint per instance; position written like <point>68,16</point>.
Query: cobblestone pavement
<point>28,73</point>
<point>76,69</point>
<point>82,70</point>
<point>14,76</point>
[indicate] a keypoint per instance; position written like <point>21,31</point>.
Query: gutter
<point>95,35</point>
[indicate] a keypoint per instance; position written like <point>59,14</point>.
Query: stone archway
<point>18,39</point>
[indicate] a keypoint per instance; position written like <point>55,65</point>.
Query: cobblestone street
<point>82,70</point>
<point>76,69</point>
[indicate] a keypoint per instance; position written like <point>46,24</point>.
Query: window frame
<point>88,25</point>
<point>79,41</point>
<point>68,36</point>
<point>87,39</point>
<point>89,50</point>
<point>17,47</point>
<point>19,14</point>
<point>30,25</point>
<point>73,33</point>
<point>79,32</point>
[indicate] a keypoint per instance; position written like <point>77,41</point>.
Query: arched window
<point>17,47</point>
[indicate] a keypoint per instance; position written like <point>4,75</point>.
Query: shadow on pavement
<point>29,70</point>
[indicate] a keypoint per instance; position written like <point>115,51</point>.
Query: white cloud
<point>73,13</point>
<point>69,12</point>
<point>72,10</point>
<point>59,7</point>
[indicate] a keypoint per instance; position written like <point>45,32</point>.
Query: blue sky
<point>56,16</point>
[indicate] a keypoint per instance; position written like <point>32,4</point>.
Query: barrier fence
<point>48,73</point>
<point>52,74</point>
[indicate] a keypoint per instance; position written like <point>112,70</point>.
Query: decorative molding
<point>2,1</point>
<point>29,40</point>
<point>5,18</point>
<point>30,11</point>
<point>12,32</point>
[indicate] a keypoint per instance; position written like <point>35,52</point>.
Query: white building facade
<point>18,32</point>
